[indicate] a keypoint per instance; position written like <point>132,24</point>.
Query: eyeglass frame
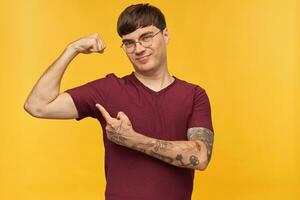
<point>152,36</point>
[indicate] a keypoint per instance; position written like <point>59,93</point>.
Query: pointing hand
<point>119,130</point>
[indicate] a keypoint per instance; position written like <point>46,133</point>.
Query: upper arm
<point>204,135</point>
<point>201,110</point>
<point>62,107</point>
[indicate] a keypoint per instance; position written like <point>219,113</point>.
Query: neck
<point>155,80</point>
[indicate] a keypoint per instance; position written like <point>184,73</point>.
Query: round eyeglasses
<point>145,40</point>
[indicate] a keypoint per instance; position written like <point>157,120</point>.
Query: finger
<point>104,113</point>
<point>102,50</point>
<point>109,128</point>
<point>101,44</point>
<point>123,117</point>
<point>94,35</point>
<point>94,47</point>
<point>118,115</point>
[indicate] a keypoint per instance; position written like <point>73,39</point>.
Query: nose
<point>139,48</point>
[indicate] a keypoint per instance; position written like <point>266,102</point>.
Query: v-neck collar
<point>135,79</point>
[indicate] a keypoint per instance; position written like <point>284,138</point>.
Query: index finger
<point>105,114</point>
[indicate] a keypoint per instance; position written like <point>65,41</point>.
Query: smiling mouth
<point>143,57</point>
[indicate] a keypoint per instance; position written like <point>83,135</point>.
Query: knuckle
<point>94,35</point>
<point>94,40</point>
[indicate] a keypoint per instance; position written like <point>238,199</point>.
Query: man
<point>157,128</point>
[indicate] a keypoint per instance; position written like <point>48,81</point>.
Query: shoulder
<point>107,77</point>
<point>110,79</point>
<point>189,86</point>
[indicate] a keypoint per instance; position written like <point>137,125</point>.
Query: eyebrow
<point>146,33</point>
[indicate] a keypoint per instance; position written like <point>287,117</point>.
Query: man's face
<point>150,58</point>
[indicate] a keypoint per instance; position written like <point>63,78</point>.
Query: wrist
<point>137,139</point>
<point>72,50</point>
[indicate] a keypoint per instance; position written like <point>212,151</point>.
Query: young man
<point>157,128</point>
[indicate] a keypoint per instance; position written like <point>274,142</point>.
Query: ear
<point>166,35</point>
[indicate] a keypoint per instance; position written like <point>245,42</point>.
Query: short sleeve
<point>86,96</point>
<point>201,113</point>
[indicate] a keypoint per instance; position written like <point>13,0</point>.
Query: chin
<point>144,67</point>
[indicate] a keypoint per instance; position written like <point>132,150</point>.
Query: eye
<point>146,38</point>
<point>128,43</point>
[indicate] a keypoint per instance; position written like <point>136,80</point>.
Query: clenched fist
<point>89,44</point>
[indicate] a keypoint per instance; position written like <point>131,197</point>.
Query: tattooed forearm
<point>161,157</point>
<point>194,161</point>
<point>117,138</point>
<point>198,146</point>
<point>179,153</point>
<point>205,135</point>
<point>156,146</point>
<point>160,145</point>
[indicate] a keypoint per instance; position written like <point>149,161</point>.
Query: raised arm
<point>45,100</point>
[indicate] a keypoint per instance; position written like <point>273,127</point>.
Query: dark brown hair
<point>139,16</point>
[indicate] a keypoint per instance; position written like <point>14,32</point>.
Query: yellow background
<point>244,53</point>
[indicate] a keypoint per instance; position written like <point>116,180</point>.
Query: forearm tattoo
<point>156,145</point>
<point>194,161</point>
<point>161,157</point>
<point>203,134</point>
<point>159,145</point>
<point>160,149</point>
<point>118,138</point>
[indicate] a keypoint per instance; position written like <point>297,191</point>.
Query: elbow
<point>35,112</point>
<point>204,159</point>
<point>202,165</point>
<point>203,162</point>
<point>27,108</point>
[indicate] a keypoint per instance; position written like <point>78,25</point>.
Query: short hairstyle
<point>139,16</point>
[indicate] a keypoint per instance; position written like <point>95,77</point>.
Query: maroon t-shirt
<point>165,115</point>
